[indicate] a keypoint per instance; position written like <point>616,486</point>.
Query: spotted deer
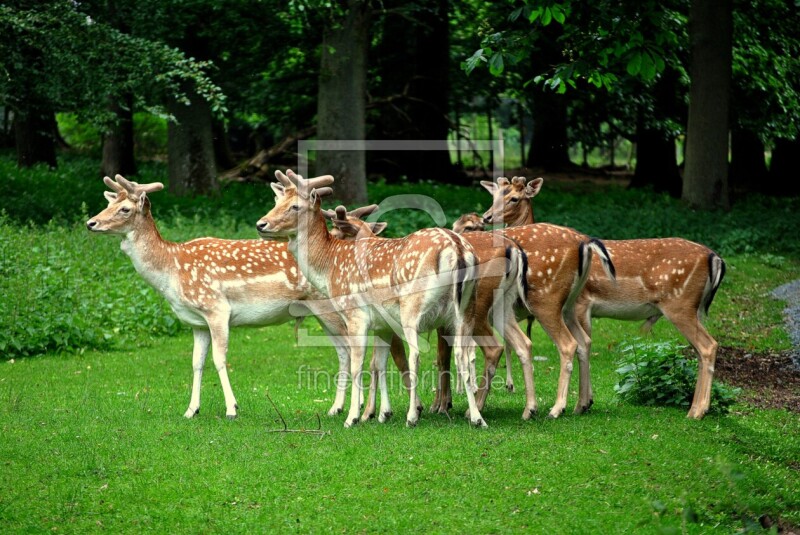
<point>214,284</point>
<point>671,277</point>
<point>500,284</point>
<point>388,286</point>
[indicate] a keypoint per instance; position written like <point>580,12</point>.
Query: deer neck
<point>150,253</point>
<point>314,248</point>
<point>525,217</point>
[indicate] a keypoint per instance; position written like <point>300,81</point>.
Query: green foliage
<point>659,373</point>
<point>56,55</point>
<point>64,291</point>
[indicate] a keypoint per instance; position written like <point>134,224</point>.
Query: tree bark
<point>705,181</point>
<point>35,136</point>
<point>190,148</point>
<point>118,155</point>
<point>342,101</point>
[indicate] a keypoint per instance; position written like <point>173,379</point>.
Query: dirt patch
<point>768,380</point>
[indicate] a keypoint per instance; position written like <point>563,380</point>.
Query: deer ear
<point>533,187</point>
<point>110,196</point>
<point>490,186</point>
<point>143,201</point>
<point>278,189</point>
<point>377,227</point>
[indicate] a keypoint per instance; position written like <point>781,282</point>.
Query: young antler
<point>671,277</point>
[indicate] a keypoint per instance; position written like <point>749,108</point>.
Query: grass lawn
<point>97,442</point>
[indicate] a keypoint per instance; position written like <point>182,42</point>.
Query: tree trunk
<point>190,148</point>
<point>34,134</point>
<point>118,141</point>
<point>784,178</point>
<point>223,154</point>
<point>342,101</point>
<point>748,166</point>
<point>705,181</point>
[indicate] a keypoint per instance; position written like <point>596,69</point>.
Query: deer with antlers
<point>500,284</point>
<point>388,286</point>
<point>214,284</point>
<point>671,277</point>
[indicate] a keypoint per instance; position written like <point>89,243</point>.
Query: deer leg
<point>202,341</point>
<point>492,351</point>
<point>553,324</point>
<point>357,344</point>
<point>374,372</point>
<point>522,347</point>
<point>579,324</point>
<point>343,356</point>
<point>398,352</point>
<point>509,376</point>
<point>219,344</point>
<point>443,400</point>
<point>411,335</point>
<point>464,350</point>
<point>381,357</point>
<point>706,348</point>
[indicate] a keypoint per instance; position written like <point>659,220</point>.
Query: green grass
<point>97,442</point>
<point>93,438</point>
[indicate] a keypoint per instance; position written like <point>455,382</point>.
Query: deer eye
<point>295,207</point>
<point>514,199</point>
<point>125,210</point>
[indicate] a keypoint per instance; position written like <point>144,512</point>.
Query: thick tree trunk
<point>118,147</point>
<point>748,166</point>
<point>190,149</point>
<point>705,181</point>
<point>342,101</point>
<point>784,177</point>
<point>35,136</point>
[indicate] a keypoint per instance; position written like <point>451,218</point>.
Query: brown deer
<point>671,277</point>
<point>387,286</point>
<point>214,284</point>
<point>500,284</point>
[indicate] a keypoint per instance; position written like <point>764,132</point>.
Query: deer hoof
<point>527,414</point>
<point>510,387</point>
<point>384,417</point>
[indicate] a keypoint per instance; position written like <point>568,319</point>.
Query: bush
<point>64,290</point>
<point>660,373</point>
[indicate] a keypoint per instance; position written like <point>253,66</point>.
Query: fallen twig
<point>318,431</point>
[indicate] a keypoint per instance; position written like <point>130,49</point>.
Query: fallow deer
<point>414,284</point>
<point>500,284</point>
<point>214,284</point>
<point>671,277</point>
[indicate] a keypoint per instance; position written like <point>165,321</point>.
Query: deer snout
<point>91,224</point>
<point>262,225</point>
<point>487,218</point>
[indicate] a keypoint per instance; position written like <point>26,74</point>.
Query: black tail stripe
<point>608,260</point>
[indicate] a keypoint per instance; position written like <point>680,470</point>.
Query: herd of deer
<point>466,284</point>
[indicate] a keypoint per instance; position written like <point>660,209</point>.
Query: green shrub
<point>64,290</point>
<point>660,373</point>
